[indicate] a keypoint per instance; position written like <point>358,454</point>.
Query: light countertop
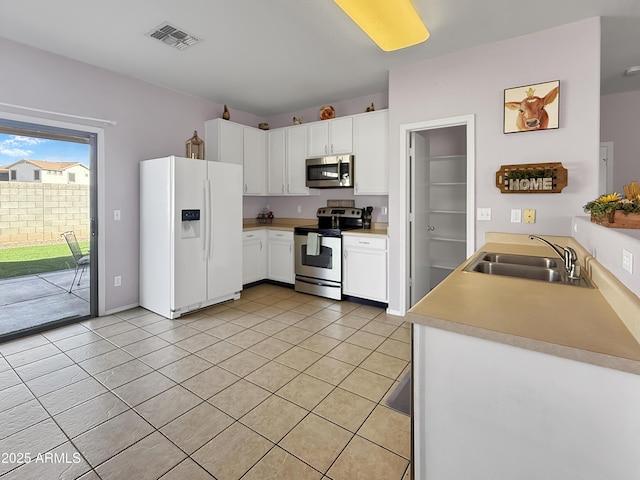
<point>288,224</point>
<point>564,320</point>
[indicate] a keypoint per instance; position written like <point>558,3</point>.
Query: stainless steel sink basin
<point>527,267</point>
<point>544,262</point>
<point>520,271</point>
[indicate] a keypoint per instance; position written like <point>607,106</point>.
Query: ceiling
<point>276,56</point>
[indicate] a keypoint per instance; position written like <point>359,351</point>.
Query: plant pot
<point>618,219</point>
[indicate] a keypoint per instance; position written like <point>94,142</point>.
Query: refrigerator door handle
<point>204,220</point>
<point>209,214</point>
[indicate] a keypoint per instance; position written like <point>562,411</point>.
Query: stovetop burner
<point>332,221</point>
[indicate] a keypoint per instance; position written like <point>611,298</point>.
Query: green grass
<point>19,261</point>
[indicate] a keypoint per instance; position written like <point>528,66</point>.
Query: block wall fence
<point>31,213</point>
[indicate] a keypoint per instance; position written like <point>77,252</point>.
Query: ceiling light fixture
<point>632,70</point>
<point>391,24</point>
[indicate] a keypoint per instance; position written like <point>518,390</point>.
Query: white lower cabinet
<point>254,256</point>
<point>280,256</point>
<point>364,267</point>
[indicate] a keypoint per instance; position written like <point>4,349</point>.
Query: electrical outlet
<point>627,261</point>
<point>117,281</point>
<point>484,214</point>
<point>516,215</point>
<point>529,216</point>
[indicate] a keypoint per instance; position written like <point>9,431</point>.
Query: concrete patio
<point>34,300</point>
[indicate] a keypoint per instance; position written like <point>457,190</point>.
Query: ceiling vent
<point>173,36</point>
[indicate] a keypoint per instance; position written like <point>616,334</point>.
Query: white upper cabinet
<point>255,161</point>
<point>330,137</point>
<point>224,141</point>
<point>296,160</point>
<point>286,161</point>
<point>371,153</point>
<point>276,181</point>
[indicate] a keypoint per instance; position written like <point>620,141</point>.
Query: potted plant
<point>614,211</point>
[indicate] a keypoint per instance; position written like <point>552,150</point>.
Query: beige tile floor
<point>276,385</point>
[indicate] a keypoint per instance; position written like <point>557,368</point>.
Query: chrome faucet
<point>567,254</point>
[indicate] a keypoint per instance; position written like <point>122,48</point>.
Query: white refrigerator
<point>190,234</point>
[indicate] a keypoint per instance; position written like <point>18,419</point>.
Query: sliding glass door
<point>47,227</point>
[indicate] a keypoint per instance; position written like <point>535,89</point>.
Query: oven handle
<point>317,282</point>
<point>319,235</point>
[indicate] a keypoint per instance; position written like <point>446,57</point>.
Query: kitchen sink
<point>544,262</point>
<point>527,267</point>
<point>521,271</point>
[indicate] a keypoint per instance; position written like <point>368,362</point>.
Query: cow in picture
<point>532,114</point>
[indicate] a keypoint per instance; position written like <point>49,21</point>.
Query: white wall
<point>472,82</point>
<point>619,124</point>
<point>152,122</point>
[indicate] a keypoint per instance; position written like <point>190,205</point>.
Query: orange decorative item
<point>327,112</point>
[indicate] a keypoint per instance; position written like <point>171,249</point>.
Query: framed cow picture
<point>532,107</point>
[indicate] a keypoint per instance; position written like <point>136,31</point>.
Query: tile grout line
<point>244,377</point>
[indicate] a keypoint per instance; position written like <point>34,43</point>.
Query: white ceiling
<point>276,56</point>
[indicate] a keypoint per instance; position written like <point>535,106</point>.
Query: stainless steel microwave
<point>330,172</point>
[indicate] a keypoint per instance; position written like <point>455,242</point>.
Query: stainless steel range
<point>318,251</point>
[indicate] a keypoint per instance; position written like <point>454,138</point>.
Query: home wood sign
<point>532,178</point>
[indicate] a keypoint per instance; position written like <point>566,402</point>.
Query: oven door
<point>327,265</point>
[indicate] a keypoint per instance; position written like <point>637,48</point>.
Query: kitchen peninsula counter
<point>563,320</point>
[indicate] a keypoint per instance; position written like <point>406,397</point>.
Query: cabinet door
<point>255,161</point>
<point>230,143</point>
<point>254,257</point>
<point>280,257</point>
<point>318,139</point>
<point>341,136</point>
<point>371,151</point>
<point>296,157</point>
<point>276,162</point>
<point>364,271</point>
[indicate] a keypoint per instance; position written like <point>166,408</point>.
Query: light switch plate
<point>627,261</point>
<point>516,215</point>
<point>529,216</point>
<point>484,214</point>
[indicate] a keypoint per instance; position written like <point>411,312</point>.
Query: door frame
<point>98,280</point>
<point>608,188</point>
<point>405,186</point>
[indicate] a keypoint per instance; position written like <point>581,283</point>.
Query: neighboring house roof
<point>44,165</point>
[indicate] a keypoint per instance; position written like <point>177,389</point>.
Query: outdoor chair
<point>81,260</point>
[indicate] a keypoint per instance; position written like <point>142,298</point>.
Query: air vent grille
<point>173,36</point>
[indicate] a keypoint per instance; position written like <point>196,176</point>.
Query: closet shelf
<point>448,239</point>
<point>447,211</point>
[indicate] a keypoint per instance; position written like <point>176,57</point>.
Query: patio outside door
<point>47,188</point>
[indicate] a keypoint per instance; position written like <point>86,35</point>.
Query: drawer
<point>372,242</point>
<point>280,235</point>
<point>254,235</point>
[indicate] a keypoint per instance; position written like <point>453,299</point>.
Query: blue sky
<point>14,148</point>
